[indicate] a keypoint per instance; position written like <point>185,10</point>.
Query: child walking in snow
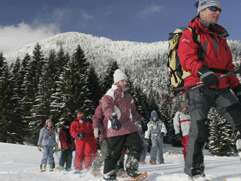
<point>156,130</point>
<point>47,144</point>
<point>181,122</point>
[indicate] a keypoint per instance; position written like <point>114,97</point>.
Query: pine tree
<point>32,92</point>
<point>41,109</point>
<point>36,66</point>
<point>221,140</point>
<point>94,87</point>
<point>107,81</point>
<point>139,97</point>
<point>75,84</point>
<point>166,116</point>
<point>61,60</point>
<point>10,119</point>
<point>27,89</point>
<point>4,98</point>
<point>57,103</point>
<point>18,126</point>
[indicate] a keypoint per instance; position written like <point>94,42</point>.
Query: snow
<point>21,163</point>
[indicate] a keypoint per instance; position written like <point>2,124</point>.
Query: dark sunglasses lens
<point>214,9</point>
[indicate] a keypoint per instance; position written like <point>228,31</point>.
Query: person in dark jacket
<point>206,61</point>
<point>66,146</point>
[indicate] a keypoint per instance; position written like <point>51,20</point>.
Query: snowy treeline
<point>53,83</point>
<point>41,86</point>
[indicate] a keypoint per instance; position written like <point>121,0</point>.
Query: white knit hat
<point>202,4</point>
<point>119,75</point>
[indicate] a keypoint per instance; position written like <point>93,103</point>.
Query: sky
<point>26,21</point>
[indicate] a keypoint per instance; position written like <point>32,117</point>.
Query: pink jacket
<point>124,106</point>
<point>97,119</point>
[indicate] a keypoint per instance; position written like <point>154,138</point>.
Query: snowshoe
<point>110,176</point>
<point>121,173</point>
<point>139,177</point>
<point>152,162</point>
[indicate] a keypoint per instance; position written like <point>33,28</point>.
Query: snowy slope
<point>144,60</point>
<point>21,163</point>
<point>95,47</point>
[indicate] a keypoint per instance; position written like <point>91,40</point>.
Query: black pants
<point>200,101</point>
<point>115,147</point>
<point>66,159</point>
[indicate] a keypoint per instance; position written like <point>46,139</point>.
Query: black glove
<point>115,123</point>
<point>144,125</point>
<point>208,77</point>
<point>237,91</point>
<point>80,135</point>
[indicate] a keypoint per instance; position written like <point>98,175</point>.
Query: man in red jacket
<point>206,61</point>
<point>82,131</point>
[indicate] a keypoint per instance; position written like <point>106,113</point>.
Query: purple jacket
<point>124,106</point>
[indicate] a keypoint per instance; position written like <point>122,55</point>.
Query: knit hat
<point>154,114</point>
<point>119,75</point>
<point>202,4</point>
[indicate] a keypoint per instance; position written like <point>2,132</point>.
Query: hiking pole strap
<point>201,84</point>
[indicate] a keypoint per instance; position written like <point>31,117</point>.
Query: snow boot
<point>42,167</point>
<point>110,176</point>
<point>51,167</point>
<point>199,178</point>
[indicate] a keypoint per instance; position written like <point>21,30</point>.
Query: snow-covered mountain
<point>143,60</point>
<point>97,47</point>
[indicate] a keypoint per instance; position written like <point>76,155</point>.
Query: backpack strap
<point>196,39</point>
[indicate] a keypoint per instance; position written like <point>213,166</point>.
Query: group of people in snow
<point>119,127</point>
<point>124,136</point>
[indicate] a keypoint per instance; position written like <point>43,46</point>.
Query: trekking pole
<point>182,90</point>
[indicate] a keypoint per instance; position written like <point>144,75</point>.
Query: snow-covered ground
<point>21,163</point>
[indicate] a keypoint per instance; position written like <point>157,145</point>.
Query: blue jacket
<point>47,137</point>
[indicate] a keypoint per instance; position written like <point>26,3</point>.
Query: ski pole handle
<point>181,90</point>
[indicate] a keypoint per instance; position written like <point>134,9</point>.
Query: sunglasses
<point>214,9</point>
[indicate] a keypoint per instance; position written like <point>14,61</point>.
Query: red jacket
<point>217,54</point>
<point>65,139</point>
<point>85,127</point>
